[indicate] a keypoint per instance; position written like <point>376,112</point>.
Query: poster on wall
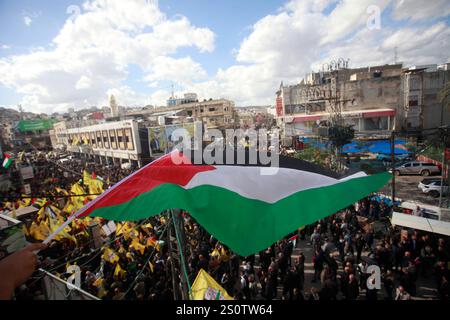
<point>157,140</point>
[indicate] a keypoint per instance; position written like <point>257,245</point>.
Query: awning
<point>307,118</point>
<point>419,223</point>
<point>371,113</point>
<point>381,113</point>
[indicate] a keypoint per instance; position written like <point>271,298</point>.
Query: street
<point>407,189</point>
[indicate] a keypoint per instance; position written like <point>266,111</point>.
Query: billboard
<point>160,138</point>
<point>34,125</point>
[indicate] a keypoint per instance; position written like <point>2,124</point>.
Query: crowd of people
<point>134,260</point>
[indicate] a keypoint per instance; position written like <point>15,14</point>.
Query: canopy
<point>419,223</point>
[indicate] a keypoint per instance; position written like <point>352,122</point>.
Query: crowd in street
<point>134,261</point>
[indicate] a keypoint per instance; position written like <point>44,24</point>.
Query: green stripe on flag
<point>246,225</point>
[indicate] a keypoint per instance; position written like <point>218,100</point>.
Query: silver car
<point>416,167</point>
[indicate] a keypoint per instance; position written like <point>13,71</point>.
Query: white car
<point>433,187</point>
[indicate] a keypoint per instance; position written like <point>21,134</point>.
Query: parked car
<point>417,167</point>
<point>433,187</point>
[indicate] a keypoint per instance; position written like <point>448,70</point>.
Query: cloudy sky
<point>69,53</point>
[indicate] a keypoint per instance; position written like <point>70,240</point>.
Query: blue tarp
<point>374,146</point>
<point>386,200</point>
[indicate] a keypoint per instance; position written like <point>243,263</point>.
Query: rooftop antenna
<point>21,111</point>
<point>395,55</point>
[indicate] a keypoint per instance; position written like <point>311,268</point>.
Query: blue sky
<point>240,50</point>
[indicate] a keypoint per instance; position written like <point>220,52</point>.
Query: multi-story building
<point>421,86</point>
<point>372,99</point>
<point>109,142</point>
<point>217,113</point>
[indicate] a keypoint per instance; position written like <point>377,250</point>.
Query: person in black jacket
<point>352,291</point>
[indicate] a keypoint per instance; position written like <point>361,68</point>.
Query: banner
<point>34,125</point>
<point>157,140</point>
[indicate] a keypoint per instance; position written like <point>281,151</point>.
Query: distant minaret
<point>395,55</point>
<point>113,106</point>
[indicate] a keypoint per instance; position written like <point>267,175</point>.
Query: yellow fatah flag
<point>128,231</point>
<point>119,229</point>
<point>152,267</point>
<point>69,207</point>
<point>35,232</point>
<point>95,185</point>
<point>63,191</point>
<point>147,226</point>
<point>75,141</point>
<point>41,214</point>
<point>119,272</point>
<point>78,202</point>
<point>110,256</point>
<point>206,288</point>
<point>41,202</point>
<point>137,246</point>
<point>25,230</point>
<point>45,229</point>
<point>54,225</point>
<point>99,282</point>
<point>86,178</point>
<point>151,242</point>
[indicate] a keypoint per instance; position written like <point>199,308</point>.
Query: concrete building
<point>113,106</point>
<point>421,86</point>
<point>217,113</point>
<point>109,142</point>
<point>372,99</point>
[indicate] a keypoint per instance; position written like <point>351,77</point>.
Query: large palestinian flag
<point>238,205</point>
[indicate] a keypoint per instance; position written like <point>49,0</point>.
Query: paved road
<point>406,189</point>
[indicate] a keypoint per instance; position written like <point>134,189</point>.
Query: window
<point>70,140</point>
<point>128,138</point>
<point>212,109</point>
<point>99,139</point>
<point>92,137</point>
<point>112,135</point>
<point>105,139</point>
<point>120,139</point>
<point>415,164</point>
<point>408,165</point>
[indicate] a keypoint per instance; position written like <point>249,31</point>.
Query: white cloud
<point>5,47</point>
<point>90,55</point>
<point>304,34</point>
<point>126,96</point>
<point>27,20</point>
<point>420,9</point>
<point>182,71</point>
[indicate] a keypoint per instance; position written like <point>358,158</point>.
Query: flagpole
<point>179,233</point>
<point>172,262</point>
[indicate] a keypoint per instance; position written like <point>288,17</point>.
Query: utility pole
<point>393,165</point>
<point>181,239</point>
<point>173,255</point>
